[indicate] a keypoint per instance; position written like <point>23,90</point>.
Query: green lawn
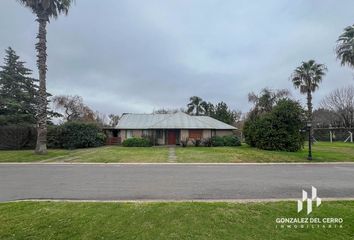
<point>63,220</point>
<point>102,154</point>
<point>29,156</point>
<point>322,152</point>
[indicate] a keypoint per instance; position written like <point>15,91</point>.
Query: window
<point>145,133</point>
<point>195,134</point>
<point>129,133</point>
<point>159,134</point>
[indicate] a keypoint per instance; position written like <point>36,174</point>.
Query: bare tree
<point>113,120</point>
<point>74,108</point>
<point>326,118</point>
<point>167,110</point>
<point>341,101</point>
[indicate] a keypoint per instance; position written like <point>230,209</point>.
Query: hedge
<point>73,135</point>
<point>137,142</point>
<point>230,141</point>
<point>14,137</point>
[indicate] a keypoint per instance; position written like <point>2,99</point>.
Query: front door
<point>171,137</point>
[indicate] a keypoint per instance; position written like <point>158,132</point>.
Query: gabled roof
<point>177,120</point>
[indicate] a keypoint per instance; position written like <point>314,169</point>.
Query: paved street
<point>172,182</point>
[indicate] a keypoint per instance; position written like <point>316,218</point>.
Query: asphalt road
<point>173,182</point>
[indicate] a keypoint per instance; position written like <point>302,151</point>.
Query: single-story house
<point>170,129</point>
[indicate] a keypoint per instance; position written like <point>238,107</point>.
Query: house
<point>170,129</point>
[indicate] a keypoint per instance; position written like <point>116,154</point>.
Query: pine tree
<point>18,91</point>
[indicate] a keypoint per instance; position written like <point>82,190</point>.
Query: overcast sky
<point>136,56</point>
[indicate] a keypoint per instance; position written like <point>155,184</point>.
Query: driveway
<point>173,181</point>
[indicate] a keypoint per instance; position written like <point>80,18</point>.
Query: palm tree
<point>195,105</point>
<point>307,78</point>
<point>345,47</point>
<point>44,11</point>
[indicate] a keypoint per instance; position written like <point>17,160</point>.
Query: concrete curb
<point>179,200</point>
<point>172,163</point>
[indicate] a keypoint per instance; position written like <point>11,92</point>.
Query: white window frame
<point>129,133</point>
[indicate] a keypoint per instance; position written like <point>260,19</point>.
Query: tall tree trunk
<point>309,112</point>
<point>41,47</point>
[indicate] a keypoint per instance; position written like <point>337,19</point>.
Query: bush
<point>207,142</point>
<point>184,142</point>
<point>73,135</point>
<point>278,129</point>
<point>136,142</point>
<point>217,141</point>
<point>229,141</point>
<point>196,142</point>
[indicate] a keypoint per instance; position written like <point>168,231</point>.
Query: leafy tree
<point>265,101</point>
<point>307,77</point>
<point>345,47</point>
<point>44,10</point>
<point>208,108</point>
<point>278,129</point>
<point>18,91</point>
<point>225,114</point>
<point>195,106</point>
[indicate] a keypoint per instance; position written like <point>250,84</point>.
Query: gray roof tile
<point>177,120</point>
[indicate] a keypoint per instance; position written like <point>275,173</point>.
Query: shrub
<point>217,141</point>
<point>196,142</point>
<point>73,135</point>
<point>207,142</point>
<point>231,141</point>
<point>136,142</point>
<point>278,129</point>
<point>184,142</point>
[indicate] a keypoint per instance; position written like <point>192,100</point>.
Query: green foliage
<point>17,137</point>
<point>345,46</point>
<point>219,111</point>
<point>195,106</point>
<point>223,113</point>
<point>136,142</point>
<point>278,129</point>
<point>230,141</point>
<point>18,91</point>
<point>217,141</point>
<point>73,135</point>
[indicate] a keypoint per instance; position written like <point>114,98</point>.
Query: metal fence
<point>334,134</point>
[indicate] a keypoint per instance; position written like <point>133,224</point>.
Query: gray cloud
<point>134,56</point>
